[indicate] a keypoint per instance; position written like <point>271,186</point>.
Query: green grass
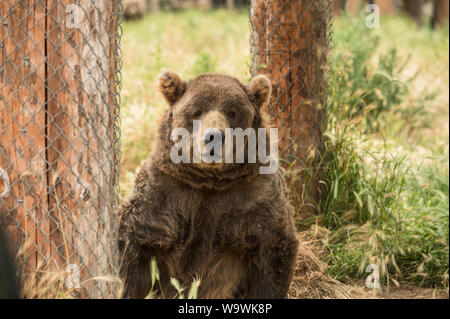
<point>387,137</point>
<point>157,290</point>
<point>387,141</point>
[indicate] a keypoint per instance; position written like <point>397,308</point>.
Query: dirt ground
<point>311,281</point>
<point>406,291</point>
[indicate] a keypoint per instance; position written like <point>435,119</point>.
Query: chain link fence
<point>290,44</point>
<point>59,122</point>
<point>59,137</point>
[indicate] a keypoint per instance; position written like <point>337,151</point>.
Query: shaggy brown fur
<point>227,225</point>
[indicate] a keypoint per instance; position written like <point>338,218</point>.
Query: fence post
<point>58,112</point>
<point>290,46</point>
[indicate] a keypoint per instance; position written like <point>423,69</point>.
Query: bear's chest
<point>218,226</point>
<point>222,214</point>
<point>219,232</point>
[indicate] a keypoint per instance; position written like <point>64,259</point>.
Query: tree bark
<point>230,4</point>
<point>441,11</point>
<point>387,7</point>
<point>354,7</point>
<point>80,130</point>
<point>414,8</point>
<point>338,7</point>
<point>153,5</point>
<point>290,46</point>
<point>57,97</point>
<point>23,180</point>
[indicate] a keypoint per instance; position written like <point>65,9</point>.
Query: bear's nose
<point>214,135</point>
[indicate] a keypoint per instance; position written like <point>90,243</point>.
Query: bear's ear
<point>171,86</point>
<point>260,89</point>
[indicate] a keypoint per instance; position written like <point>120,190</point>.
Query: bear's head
<point>206,108</point>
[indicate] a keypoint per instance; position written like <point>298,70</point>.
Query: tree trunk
<point>23,179</point>
<point>230,4</point>
<point>153,5</point>
<point>57,117</point>
<point>80,130</point>
<point>290,46</point>
<point>441,11</point>
<point>387,7</point>
<point>414,8</point>
<point>354,7</point>
<point>338,7</point>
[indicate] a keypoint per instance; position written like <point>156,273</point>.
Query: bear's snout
<point>214,135</point>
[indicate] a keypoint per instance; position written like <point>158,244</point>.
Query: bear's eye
<point>232,114</point>
<point>198,113</point>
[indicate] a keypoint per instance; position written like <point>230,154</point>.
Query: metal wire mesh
<point>289,44</point>
<point>59,121</point>
<point>59,135</point>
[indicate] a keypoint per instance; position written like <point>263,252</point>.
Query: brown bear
<point>226,224</point>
